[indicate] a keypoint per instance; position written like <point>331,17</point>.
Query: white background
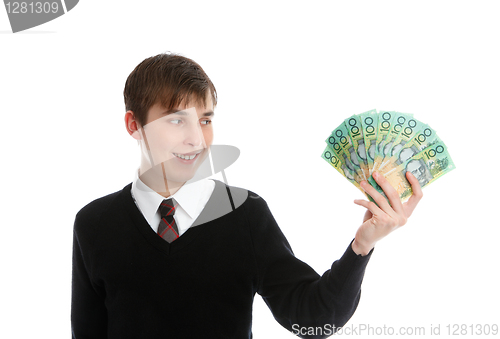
<point>286,74</point>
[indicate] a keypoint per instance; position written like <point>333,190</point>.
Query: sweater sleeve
<point>298,297</point>
<point>88,311</point>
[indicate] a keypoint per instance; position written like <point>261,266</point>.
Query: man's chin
<point>179,180</point>
<point>179,175</point>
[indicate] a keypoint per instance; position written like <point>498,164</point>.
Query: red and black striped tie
<point>167,229</point>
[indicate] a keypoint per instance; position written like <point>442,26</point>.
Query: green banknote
<point>358,149</point>
<point>369,121</point>
<point>427,166</point>
<point>340,142</point>
<point>385,121</point>
<point>421,140</point>
<point>408,130</point>
<point>400,120</point>
<point>331,157</point>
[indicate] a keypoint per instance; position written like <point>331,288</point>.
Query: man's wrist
<point>361,248</point>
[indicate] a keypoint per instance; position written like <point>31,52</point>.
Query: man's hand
<point>381,220</point>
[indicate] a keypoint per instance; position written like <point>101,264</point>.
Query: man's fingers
<point>390,193</point>
<point>370,206</point>
<point>379,198</point>
<point>416,196</point>
<point>397,211</point>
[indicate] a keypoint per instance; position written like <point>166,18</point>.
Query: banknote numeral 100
<point>370,130</point>
<point>354,128</point>
<point>385,125</point>
<point>432,152</point>
<point>423,136</point>
<point>342,139</point>
<point>334,144</point>
<point>397,127</point>
<point>409,129</point>
<point>333,159</point>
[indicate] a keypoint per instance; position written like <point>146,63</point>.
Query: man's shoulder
<point>94,209</point>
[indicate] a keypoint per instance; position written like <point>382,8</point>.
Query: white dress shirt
<point>191,199</point>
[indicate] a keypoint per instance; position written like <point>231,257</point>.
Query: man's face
<point>177,143</point>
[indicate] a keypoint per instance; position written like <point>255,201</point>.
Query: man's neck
<point>155,179</point>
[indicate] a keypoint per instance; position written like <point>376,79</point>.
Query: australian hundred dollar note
<point>400,120</point>
<point>424,138</point>
<point>333,159</point>
<point>408,130</point>
<point>369,121</point>
<point>384,124</point>
<point>427,166</point>
<point>340,142</point>
<point>358,149</point>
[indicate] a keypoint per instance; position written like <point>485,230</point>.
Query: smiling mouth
<point>187,156</point>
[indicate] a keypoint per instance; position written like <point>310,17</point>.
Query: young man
<point>176,255</point>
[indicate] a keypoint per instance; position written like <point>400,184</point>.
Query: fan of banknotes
<point>390,143</point>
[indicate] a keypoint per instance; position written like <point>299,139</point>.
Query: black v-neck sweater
<point>130,283</point>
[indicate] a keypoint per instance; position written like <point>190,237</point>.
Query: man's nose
<point>193,134</point>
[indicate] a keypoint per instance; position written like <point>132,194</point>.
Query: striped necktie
<point>167,229</point>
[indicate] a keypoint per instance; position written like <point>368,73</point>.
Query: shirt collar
<point>188,197</point>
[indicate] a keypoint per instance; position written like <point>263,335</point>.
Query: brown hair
<point>168,80</point>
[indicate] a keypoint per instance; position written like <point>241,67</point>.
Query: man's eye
<point>176,121</point>
<point>206,122</point>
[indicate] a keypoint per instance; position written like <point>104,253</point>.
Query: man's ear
<point>136,135</point>
<point>132,125</point>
